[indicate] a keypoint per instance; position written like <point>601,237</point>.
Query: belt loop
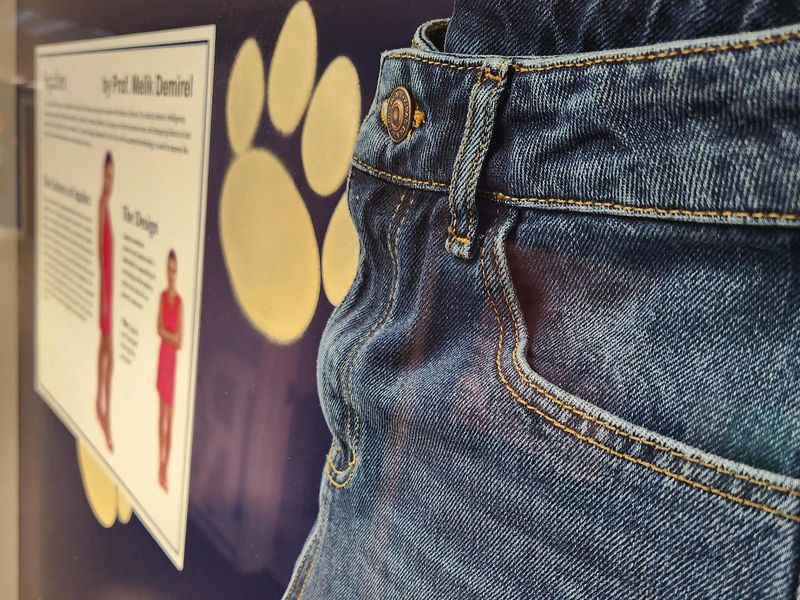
<point>481,110</point>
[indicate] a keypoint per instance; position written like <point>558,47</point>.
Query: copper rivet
<point>399,112</point>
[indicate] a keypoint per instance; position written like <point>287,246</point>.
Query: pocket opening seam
<point>592,441</point>
<point>621,432</point>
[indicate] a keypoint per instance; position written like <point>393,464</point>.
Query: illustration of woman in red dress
<point>170,330</point>
<point>105,252</point>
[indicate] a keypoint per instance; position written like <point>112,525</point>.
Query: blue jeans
<point>568,366</point>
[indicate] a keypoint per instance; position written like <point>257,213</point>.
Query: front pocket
<point>584,420</point>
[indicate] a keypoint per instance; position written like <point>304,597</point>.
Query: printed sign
<point>122,138</point>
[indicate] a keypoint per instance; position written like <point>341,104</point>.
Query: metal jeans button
<point>399,113</point>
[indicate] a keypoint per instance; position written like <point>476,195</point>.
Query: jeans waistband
<point>705,129</point>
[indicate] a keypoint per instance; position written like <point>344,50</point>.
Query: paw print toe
<point>331,127</point>
<point>292,69</point>
<point>124,508</point>
<point>245,98</point>
<point>339,253</point>
<point>101,491</point>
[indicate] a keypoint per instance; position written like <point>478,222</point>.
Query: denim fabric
<point>543,27</point>
<point>568,366</point>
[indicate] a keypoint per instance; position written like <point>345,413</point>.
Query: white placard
<point>104,233</point>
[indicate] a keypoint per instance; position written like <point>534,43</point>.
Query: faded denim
<point>568,366</point>
<point>521,27</point>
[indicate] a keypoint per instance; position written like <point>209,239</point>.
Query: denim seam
<point>645,56</point>
<point>590,440</point>
<point>677,52</point>
<point>352,356</point>
<point>316,551</point>
<point>315,548</point>
<point>306,574</point>
<point>290,593</point>
<point>521,201</point>
<point>436,63</point>
<point>335,447</point>
<point>309,550</point>
<point>455,237</point>
<point>457,165</point>
<point>392,249</point>
<point>398,178</point>
<point>612,206</point>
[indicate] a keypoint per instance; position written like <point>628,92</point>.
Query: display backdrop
<point>292,81</point>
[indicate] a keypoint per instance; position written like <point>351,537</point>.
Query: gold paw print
<point>108,503</point>
<point>268,238</point>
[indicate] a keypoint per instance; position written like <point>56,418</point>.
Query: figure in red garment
<point>105,355</point>
<point>170,329</point>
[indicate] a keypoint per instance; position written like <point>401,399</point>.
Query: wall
<point>9,363</point>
